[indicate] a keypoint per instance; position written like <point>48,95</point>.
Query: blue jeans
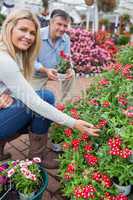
<point>18,117</point>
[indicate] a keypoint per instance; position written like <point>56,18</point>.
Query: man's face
<point>58,26</point>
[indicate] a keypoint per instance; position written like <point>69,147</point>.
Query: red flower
<point>70,168</point>
<point>62,54</point>
<point>67,176</point>
<point>88,148</point>
<point>68,132</point>
<point>126,72</point>
<point>96,176</point>
<point>106,104</point>
<point>121,197</point>
<point>60,106</point>
<point>107,181</point>
<point>94,102</point>
<point>66,145</point>
<point>122,100</point>
<point>75,143</point>
<point>87,192</point>
<point>102,123</point>
<point>104,82</point>
<point>84,137</point>
<point>78,192</point>
<point>90,159</point>
<point>125,153</point>
<point>74,113</point>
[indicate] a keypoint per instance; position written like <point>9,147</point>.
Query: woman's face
<point>23,34</point>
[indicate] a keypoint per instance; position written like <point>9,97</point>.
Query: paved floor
<point>19,147</point>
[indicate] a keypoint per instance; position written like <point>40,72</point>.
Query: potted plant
<point>114,160</point>
<point>27,178</point>
<point>63,65</point>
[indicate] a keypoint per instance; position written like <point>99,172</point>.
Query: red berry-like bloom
<point>68,132</point>
<point>75,143</point>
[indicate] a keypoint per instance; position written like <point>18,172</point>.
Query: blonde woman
<point>20,105</point>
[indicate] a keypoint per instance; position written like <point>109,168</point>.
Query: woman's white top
<point>13,82</point>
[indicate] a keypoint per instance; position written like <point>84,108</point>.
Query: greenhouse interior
<point>66,100</point>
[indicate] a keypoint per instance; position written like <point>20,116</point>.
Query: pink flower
<point>10,172</point>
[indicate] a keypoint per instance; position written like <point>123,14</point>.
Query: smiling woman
<point>23,34</point>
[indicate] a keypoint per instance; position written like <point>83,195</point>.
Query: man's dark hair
<point>59,13</point>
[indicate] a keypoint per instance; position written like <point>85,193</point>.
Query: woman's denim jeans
<point>17,117</point>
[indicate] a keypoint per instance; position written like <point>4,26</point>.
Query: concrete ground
<point>19,147</point>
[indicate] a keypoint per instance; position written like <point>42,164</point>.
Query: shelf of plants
<point>91,52</point>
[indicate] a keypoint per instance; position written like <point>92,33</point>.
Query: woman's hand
<point>84,126</point>
<point>5,100</point>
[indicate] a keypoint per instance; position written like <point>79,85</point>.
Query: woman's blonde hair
<point>28,56</point>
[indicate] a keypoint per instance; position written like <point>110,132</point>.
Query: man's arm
<point>51,73</point>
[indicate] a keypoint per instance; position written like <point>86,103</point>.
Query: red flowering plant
<point>114,159</point>
<point>86,166</point>
<point>64,62</point>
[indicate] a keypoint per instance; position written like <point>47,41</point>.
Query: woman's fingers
<point>94,132</point>
<point>5,100</point>
<point>84,126</point>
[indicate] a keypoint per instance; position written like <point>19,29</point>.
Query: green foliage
<point>25,185</point>
<point>108,88</point>
<point>122,40</point>
<point>57,134</point>
<point>125,56</point>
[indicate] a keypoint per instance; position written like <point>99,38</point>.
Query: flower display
<point>24,175</point>
<point>89,165</point>
<point>91,52</point>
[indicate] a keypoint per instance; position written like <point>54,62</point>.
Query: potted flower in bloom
<point>27,178</point>
<point>114,160</point>
<point>63,65</point>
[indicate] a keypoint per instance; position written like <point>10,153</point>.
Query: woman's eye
<point>23,29</point>
<point>33,33</point>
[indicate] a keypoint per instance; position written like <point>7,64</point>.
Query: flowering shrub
<point>89,164</point>
<point>25,176</point>
<point>91,52</point>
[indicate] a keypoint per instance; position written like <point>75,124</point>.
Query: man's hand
<point>86,127</point>
<point>70,74</point>
<point>5,100</point>
<point>52,74</point>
